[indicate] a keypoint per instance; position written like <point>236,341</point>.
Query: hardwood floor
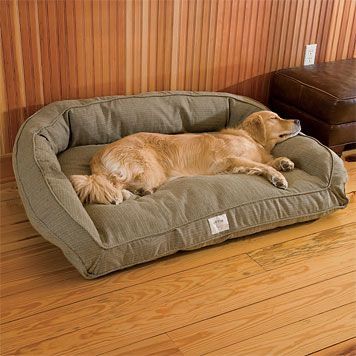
<point>289,291</point>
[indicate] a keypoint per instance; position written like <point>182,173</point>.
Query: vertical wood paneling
<point>344,41</point>
<point>89,53</point>
<point>121,45</point>
<point>112,43</point>
<point>230,53</point>
<point>63,66</point>
<point>105,38</point>
<point>72,50</point>
<point>97,46</point>
<point>144,52</point>
<point>168,31</point>
<point>59,49</point>
<point>290,22</point>
<point>81,63</point>
<point>4,142</point>
<point>217,68</point>
<point>30,45</point>
<point>352,43</point>
<point>315,21</point>
<point>175,44</point>
<point>251,51</point>
<point>189,43</point>
<point>12,67</point>
<point>196,46</point>
<point>301,32</point>
<point>211,44</point>
<point>55,51</point>
<point>129,47</point>
<point>152,44</point>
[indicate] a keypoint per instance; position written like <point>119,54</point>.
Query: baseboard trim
<point>6,171</point>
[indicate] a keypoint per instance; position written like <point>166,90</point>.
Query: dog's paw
<point>117,200</point>
<point>144,191</point>
<point>286,165</point>
<point>279,181</point>
<point>126,194</point>
<point>282,164</point>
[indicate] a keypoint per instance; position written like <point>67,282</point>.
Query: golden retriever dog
<point>142,162</point>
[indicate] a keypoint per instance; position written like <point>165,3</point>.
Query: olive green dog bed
<point>184,214</point>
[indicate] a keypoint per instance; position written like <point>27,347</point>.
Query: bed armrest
<point>49,198</point>
<point>309,155</point>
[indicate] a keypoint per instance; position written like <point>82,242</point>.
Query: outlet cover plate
<point>310,51</point>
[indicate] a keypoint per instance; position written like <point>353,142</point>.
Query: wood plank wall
<point>58,49</point>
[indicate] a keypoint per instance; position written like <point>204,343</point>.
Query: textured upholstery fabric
<point>61,138</point>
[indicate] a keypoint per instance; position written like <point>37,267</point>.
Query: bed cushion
<point>183,214</point>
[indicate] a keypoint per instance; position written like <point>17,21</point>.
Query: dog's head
<point>268,129</point>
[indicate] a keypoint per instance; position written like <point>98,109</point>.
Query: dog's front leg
<point>243,165</point>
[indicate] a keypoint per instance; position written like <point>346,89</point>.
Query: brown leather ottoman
<point>323,97</point>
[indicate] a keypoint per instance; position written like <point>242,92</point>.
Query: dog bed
<point>187,213</point>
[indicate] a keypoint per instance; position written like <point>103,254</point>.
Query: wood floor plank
<point>253,320</point>
<point>8,191</point>
<point>123,317</point>
<point>71,290</point>
<point>218,273</point>
<point>352,197</point>
<point>9,208</point>
<point>17,232</point>
<point>45,259</point>
<point>28,242</point>
<point>14,219</point>
<point>351,171</point>
<point>292,251</point>
<point>351,184</point>
<point>300,338</point>
<point>74,287</point>
<point>118,305</point>
<point>6,171</point>
<point>160,345</point>
<point>38,264</point>
<point>344,348</point>
<point>56,277</point>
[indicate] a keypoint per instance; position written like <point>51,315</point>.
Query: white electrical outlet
<point>309,57</point>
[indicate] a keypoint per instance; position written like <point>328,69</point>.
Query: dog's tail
<point>97,188</point>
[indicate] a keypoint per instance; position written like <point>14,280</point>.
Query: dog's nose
<point>297,122</point>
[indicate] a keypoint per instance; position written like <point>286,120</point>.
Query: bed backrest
<point>103,120</point>
<point>165,112</point>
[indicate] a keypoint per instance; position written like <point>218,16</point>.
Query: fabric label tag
<point>218,224</point>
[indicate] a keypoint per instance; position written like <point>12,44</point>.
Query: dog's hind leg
<point>243,165</point>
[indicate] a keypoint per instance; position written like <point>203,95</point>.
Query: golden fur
<point>142,162</point>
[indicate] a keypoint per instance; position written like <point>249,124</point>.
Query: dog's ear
<point>256,128</point>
